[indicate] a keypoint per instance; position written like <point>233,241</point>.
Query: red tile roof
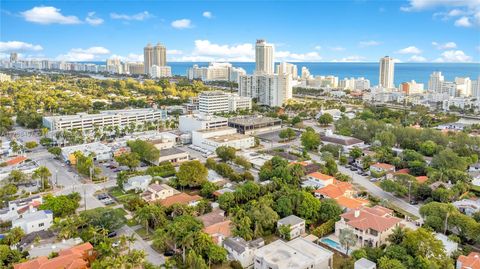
<point>335,190</point>
<point>181,198</point>
<point>320,176</point>
<point>403,171</point>
<point>351,203</point>
<point>384,166</point>
<point>72,258</point>
<point>223,228</point>
<point>422,179</point>
<point>377,218</point>
<point>16,160</point>
<point>472,261</point>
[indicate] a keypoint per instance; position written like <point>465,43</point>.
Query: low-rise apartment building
<point>294,223</point>
<point>34,221</point>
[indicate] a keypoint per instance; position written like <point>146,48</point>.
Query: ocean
<point>420,72</point>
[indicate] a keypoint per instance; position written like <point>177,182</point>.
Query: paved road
<point>140,244</point>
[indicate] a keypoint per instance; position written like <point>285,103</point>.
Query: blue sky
<point>360,30</point>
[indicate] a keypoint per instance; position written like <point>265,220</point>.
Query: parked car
<point>112,234</point>
<point>102,196</point>
<point>169,253</point>
<point>414,202</point>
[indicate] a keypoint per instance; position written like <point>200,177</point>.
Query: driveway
<point>140,244</point>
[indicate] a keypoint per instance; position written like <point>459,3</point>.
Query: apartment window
<point>41,224</point>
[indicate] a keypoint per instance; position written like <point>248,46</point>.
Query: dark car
<point>353,169</point>
<point>112,234</point>
<point>364,174</point>
<point>414,202</point>
<point>102,196</point>
<point>168,253</point>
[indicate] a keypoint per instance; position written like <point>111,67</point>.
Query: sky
<point>302,31</point>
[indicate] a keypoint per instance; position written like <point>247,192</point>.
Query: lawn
<point>121,196</point>
<point>143,233</point>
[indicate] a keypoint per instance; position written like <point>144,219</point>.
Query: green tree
<point>62,205</point>
<point>356,153</point>
<point>225,153</point>
<point>386,138</point>
<point>44,175</point>
<point>428,148</point>
<point>31,144</point>
<point>192,174</point>
<point>17,177</point>
<point>325,119</point>
<point>145,150</point>
<point>151,216</point>
<point>347,238</point>
<point>386,263</point>
<point>129,159</point>
<point>448,159</point>
<point>310,140</point>
<point>55,151</point>
<point>287,134</point>
<point>104,218</point>
<point>329,210</point>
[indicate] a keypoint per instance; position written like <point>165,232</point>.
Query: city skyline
<point>416,31</point>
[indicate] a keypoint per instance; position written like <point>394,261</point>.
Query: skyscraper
<point>148,58</point>
<point>435,82</point>
<point>156,55</point>
<point>387,66</point>
<point>13,57</point>
<point>264,61</point>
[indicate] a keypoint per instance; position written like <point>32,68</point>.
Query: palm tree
<point>397,235</point>
<point>347,238</point>
<point>43,174</point>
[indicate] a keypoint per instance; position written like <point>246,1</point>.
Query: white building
<point>100,152</point>
<point>464,86</point>
<point>200,121</point>
<point>269,90</point>
<point>242,251</point>
<point>220,102</point>
<point>387,66</point>
<point>84,121</point>
<point>364,264</point>
<point>296,225</point>
<point>287,68</point>
<point>137,183</point>
<point>160,71</point>
<point>412,87</point>
<point>18,208</point>
<point>210,139</point>
<point>305,73</point>
<point>35,221</point>
<point>435,82</point>
<point>299,253</point>
<point>215,72</point>
<point>264,57</point>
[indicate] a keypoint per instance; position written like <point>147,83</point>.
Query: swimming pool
<point>333,244</point>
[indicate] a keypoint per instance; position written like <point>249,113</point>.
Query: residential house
<point>371,225</point>
<point>296,254</point>
<point>181,198</point>
<point>472,261</point>
<point>382,168</point>
<point>468,206</point>
<point>78,257</point>
<point>296,225</point>
<point>343,193</point>
<point>17,208</point>
<point>137,183</point>
<point>242,251</point>
<point>364,264</point>
<point>34,221</point>
<point>317,180</point>
<point>216,225</point>
<point>155,192</point>
<point>449,245</point>
<point>173,155</point>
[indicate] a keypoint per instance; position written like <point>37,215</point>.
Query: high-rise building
<point>13,57</point>
<point>156,55</point>
<point>160,71</point>
<point>411,87</point>
<point>305,73</point>
<point>387,66</point>
<point>264,60</point>
<point>147,58</point>
<point>464,86</point>
<point>435,82</point>
<point>287,68</point>
<point>215,72</point>
<point>270,90</point>
<point>159,55</point>
<point>218,102</point>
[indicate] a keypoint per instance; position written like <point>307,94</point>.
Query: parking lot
<point>273,136</point>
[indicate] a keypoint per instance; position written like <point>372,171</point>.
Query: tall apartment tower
<point>148,58</point>
<point>13,57</point>
<point>435,82</point>
<point>387,66</point>
<point>154,55</point>
<point>264,61</point>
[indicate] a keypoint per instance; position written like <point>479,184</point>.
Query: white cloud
<point>448,45</point>
<point>463,22</point>
<point>92,19</point>
<point>354,58</point>
<point>207,51</point>
<point>409,50</point>
<point>134,17</point>
<point>287,56</point>
<point>418,5</point>
<point>182,24</point>
<point>318,47</point>
<point>337,48</point>
<point>131,57</point>
<point>451,56</point>
<point>18,46</point>
<point>48,15</point>
<point>174,52</point>
<point>368,43</point>
<point>207,14</point>
<point>417,58</point>
<point>78,54</point>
